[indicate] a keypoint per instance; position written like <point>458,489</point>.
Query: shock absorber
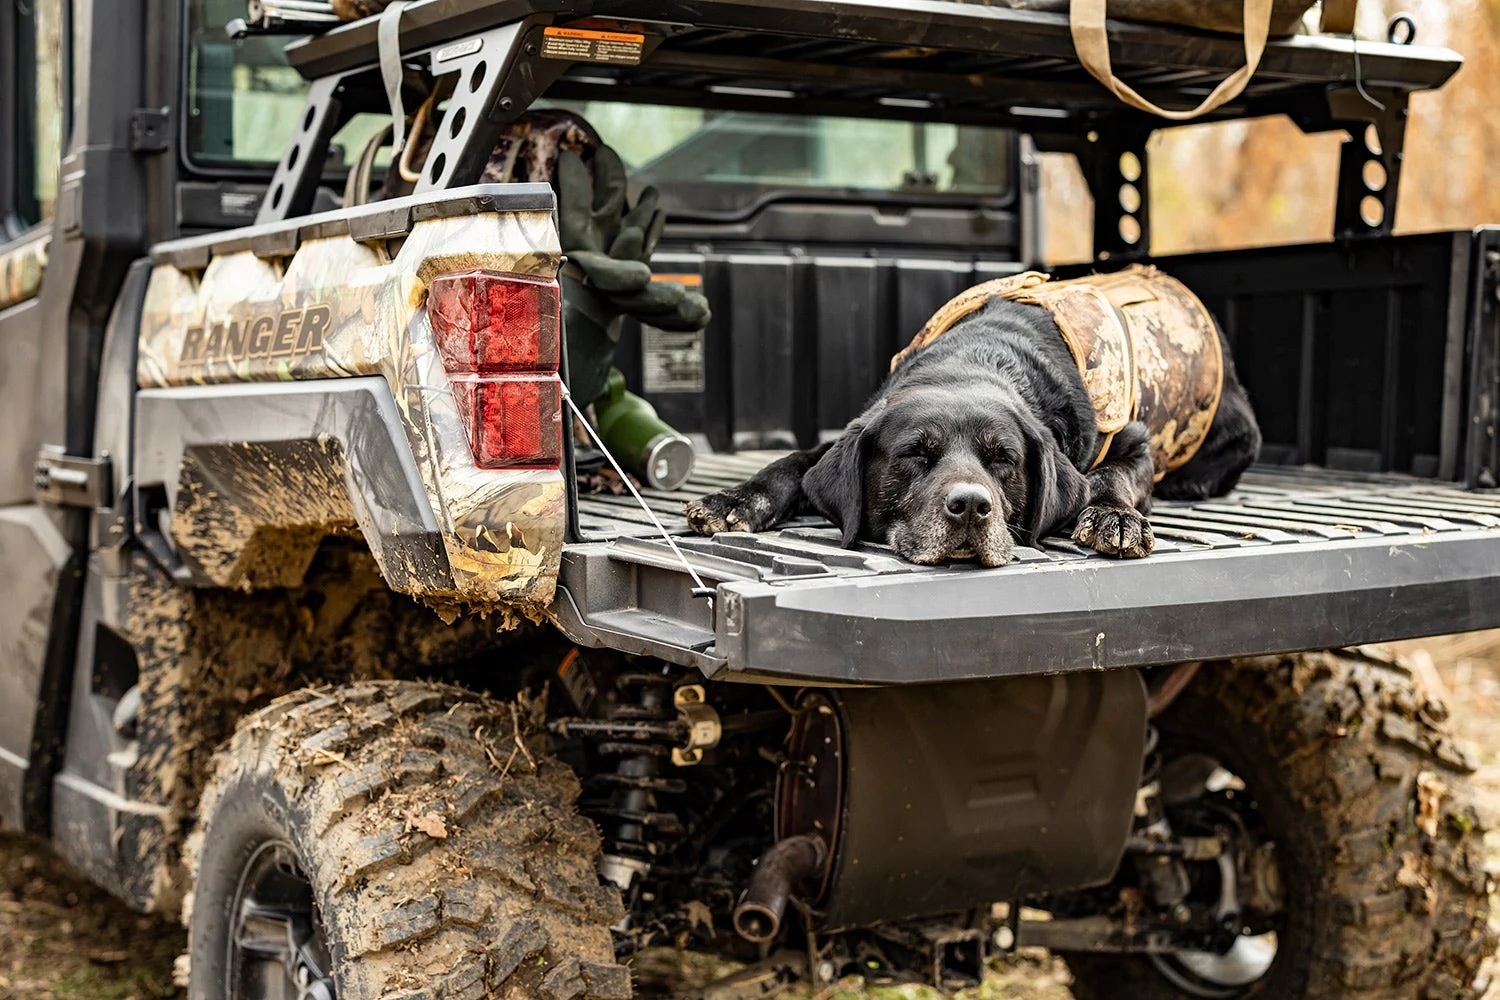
<point>636,781</point>
<point>651,725</point>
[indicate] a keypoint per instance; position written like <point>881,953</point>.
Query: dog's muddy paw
<point>1115,531</point>
<point>729,510</point>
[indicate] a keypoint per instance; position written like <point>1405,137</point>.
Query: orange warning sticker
<point>690,280</point>
<point>578,45</point>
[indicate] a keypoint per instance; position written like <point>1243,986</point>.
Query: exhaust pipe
<point>781,869</point>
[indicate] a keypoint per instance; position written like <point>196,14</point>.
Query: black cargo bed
<point>1294,559</point>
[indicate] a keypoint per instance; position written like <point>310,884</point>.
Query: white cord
<point>638,498</point>
<point>623,478</point>
<point>1359,83</point>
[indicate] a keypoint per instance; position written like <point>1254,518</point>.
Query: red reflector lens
<point>489,322</point>
<point>511,421</point>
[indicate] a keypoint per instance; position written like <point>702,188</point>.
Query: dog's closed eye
<point>922,453</point>
<point>998,458</point>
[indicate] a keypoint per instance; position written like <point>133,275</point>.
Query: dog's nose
<point>968,502</point>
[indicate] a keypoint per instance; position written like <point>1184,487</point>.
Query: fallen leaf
<point>699,914</point>
<point>1413,875</point>
<point>429,823</point>
<point>1430,793</point>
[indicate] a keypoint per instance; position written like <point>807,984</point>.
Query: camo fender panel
<point>21,270</point>
<point>339,308</point>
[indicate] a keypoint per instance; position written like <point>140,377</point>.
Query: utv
<point>310,634</point>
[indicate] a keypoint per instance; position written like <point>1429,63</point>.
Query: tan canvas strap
<point>1090,38</point>
<point>1098,336</point>
<point>388,47</point>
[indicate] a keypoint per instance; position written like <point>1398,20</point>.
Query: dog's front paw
<point>1115,531</point>
<point>737,509</point>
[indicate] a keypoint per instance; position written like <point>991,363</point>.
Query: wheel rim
<point>1220,975</point>
<point>276,947</point>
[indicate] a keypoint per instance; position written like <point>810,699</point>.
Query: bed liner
<point>1296,558</point>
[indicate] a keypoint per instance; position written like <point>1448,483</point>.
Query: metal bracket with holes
<point>703,726</point>
<point>65,480</point>
<point>497,73</point>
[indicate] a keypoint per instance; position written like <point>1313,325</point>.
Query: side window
<point>244,101</point>
<point>39,110</point>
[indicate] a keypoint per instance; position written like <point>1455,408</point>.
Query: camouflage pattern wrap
<point>1097,338</point>
<point>1146,347</point>
<point>526,152</point>
<point>970,300</point>
<point>531,145</point>
<point>339,308</point>
<point>21,270</point>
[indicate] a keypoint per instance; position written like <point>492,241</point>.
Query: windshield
<point>719,162</point>
<point>244,101</point>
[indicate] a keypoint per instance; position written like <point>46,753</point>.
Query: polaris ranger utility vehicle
<point>309,633</point>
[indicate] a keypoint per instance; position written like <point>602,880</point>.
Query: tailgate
<point>1293,559</point>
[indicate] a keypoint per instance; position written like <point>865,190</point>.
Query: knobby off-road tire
<point>443,865</point>
<point>1377,839</point>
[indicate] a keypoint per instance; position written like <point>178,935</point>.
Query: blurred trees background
<point>1263,182</point>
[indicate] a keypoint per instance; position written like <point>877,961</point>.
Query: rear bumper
<point>1095,614</point>
<point>1294,559</point>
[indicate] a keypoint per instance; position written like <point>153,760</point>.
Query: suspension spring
<point>639,734</point>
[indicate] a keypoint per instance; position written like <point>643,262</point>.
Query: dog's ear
<point>1058,490</point>
<point>836,484</point>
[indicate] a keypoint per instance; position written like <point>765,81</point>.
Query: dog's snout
<point>968,502</point>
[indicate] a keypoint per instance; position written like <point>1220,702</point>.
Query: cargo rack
<point>929,60</point>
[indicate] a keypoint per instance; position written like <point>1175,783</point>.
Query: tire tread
<point>441,871</point>
<point>1402,909</point>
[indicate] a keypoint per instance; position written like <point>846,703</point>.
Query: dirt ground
<point>62,938</point>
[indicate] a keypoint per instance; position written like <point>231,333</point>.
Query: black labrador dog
<point>984,437</point>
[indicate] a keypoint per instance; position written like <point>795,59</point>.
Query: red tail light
<point>499,336</point>
<point>515,421</point>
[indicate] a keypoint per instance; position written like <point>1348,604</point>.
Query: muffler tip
<point>756,923</point>
<point>781,869</point>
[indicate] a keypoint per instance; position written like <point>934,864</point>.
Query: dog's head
<point>947,472</point>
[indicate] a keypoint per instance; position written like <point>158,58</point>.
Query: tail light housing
<point>499,337</point>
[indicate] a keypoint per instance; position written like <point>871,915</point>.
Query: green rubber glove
<point>610,242</point>
<point>692,313</point>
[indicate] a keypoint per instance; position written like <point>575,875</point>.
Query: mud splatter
<point>210,657</point>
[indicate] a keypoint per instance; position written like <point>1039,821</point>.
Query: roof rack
<point>949,43</point>
<point>929,60</point>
